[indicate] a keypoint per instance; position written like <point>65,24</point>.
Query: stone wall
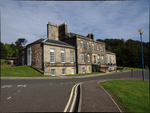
<point>52,31</point>
<point>58,70</point>
<point>36,55</point>
<point>93,53</point>
<point>57,65</point>
<point>111,65</point>
<point>62,31</point>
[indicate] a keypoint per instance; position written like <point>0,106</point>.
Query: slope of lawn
<point>131,95</point>
<point>19,71</point>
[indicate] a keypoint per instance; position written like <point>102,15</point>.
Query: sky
<point>105,19</point>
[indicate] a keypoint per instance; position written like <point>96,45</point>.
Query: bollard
<point>131,73</point>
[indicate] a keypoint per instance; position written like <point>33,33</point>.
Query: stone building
<point>111,60</point>
<point>65,53</point>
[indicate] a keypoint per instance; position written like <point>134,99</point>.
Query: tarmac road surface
<point>46,95</point>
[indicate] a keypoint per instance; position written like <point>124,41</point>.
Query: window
<point>106,59</point>
<point>98,58</point>
<point>93,46</point>
<point>88,57</point>
<point>83,69</point>
<point>110,59</point>
<point>72,70</point>
<point>102,58</point>
<point>89,69</point>
<point>94,59</point>
<point>97,47</point>
<point>82,57</point>
<point>52,55</point>
<point>62,56</point>
<point>71,56</point>
<point>101,48</point>
<point>113,60</point>
<point>81,44</point>
<point>87,45</point>
<point>53,72</point>
<point>63,71</point>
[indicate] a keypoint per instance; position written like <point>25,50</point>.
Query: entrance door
<point>29,56</point>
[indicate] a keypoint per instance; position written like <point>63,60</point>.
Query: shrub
<point>8,62</point>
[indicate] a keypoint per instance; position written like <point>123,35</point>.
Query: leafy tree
<point>20,43</point>
<point>12,50</point>
<point>3,51</point>
<point>128,53</point>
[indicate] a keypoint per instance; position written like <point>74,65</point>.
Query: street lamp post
<point>140,31</point>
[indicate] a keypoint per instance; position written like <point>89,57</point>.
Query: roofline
<point>84,37</point>
<point>53,44</point>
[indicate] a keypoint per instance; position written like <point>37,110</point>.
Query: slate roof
<point>108,52</point>
<point>84,37</point>
<point>57,42</point>
<point>37,41</point>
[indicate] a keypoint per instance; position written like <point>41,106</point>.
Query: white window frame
<point>102,48</point>
<point>98,59</point>
<point>52,56</point>
<point>97,47</point>
<point>102,58</point>
<point>63,71</point>
<point>83,69</point>
<point>29,56</point>
<point>113,60</point>
<point>62,57</point>
<point>72,56</point>
<point>88,45</point>
<point>81,44</point>
<point>93,46</point>
<point>72,70</point>
<point>88,58</point>
<point>82,56</point>
<point>89,69</point>
<point>53,72</point>
<point>110,59</point>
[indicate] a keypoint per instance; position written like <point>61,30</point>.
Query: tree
<point>20,43</point>
<point>128,53</point>
<point>12,50</point>
<point>3,51</point>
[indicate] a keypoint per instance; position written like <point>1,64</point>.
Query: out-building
<point>64,53</point>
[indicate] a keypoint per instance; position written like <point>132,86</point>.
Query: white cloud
<point>106,19</point>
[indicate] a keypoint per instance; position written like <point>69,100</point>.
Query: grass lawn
<point>2,60</point>
<point>129,68</point>
<point>19,71</point>
<point>131,95</point>
<point>82,74</point>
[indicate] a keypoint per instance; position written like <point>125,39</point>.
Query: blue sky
<point>105,19</point>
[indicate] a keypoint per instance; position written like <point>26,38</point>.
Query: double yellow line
<point>74,99</point>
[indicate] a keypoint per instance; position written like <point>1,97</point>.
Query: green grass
<point>19,71</point>
<point>82,74</point>
<point>2,60</point>
<point>132,95</point>
<point>129,68</point>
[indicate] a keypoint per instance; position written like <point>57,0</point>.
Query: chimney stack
<point>52,31</point>
<point>91,36</point>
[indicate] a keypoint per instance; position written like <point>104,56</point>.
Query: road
<point>49,95</point>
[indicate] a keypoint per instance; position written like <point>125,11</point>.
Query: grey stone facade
<point>46,54</point>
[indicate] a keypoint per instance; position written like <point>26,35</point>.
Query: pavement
<point>96,99</point>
